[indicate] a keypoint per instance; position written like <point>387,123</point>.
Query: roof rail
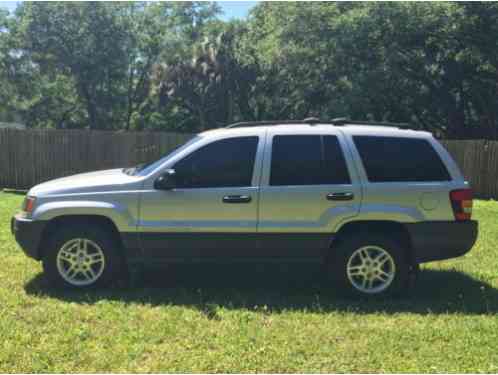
<point>345,121</point>
<point>341,121</point>
<point>310,121</point>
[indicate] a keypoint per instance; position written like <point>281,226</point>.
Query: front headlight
<point>28,204</point>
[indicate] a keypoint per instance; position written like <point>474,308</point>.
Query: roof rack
<point>310,121</point>
<point>341,121</point>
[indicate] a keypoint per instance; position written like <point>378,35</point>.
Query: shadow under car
<point>281,287</point>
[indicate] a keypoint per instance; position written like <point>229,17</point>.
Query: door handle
<point>340,196</point>
<point>236,199</point>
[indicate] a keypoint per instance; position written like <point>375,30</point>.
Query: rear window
<point>393,159</point>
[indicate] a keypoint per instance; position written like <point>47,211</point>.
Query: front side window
<point>145,169</point>
<point>307,160</point>
<point>395,159</point>
<point>225,163</point>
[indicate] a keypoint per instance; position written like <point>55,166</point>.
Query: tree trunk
<point>91,108</point>
<point>202,119</point>
<point>456,121</point>
<point>128,117</point>
<point>230,105</point>
<point>92,115</point>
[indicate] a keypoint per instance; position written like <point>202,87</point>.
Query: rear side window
<point>393,159</point>
<point>225,163</point>
<point>307,160</point>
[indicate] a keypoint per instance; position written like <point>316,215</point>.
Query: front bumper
<point>438,240</point>
<point>28,234</point>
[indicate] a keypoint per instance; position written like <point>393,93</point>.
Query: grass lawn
<point>250,319</point>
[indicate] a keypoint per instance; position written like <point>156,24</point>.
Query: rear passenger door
<point>308,186</point>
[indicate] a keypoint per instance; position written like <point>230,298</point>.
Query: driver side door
<point>212,211</point>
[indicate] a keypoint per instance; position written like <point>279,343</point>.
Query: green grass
<point>250,319</point>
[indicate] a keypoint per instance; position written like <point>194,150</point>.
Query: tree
<point>409,62</point>
<point>211,85</point>
<point>153,66</point>
<point>83,41</point>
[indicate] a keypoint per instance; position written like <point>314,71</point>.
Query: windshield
<point>146,168</point>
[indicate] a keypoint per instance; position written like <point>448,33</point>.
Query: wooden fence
<point>478,160</point>
<point>28,157</point>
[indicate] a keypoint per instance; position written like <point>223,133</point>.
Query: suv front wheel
<point>81,258</point>
<point>369,265</point>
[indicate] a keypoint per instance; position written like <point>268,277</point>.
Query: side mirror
<point>166,181</point>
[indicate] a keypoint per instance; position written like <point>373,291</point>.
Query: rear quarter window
<point>395,159</point>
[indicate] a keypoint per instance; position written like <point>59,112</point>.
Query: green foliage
<point>251,319</point>
<point>210,84</point>
<point>153,66</point>
<point>409,62</point>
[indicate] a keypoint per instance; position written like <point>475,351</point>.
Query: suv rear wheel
<point>370,265</point>
<point>83,257</point>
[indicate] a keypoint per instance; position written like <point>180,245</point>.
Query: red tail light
<point>461,201</point>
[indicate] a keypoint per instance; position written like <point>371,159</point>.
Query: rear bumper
<point>28,234</point>
<point>438,240</point>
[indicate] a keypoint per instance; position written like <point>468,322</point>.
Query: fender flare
<point>118,214</point>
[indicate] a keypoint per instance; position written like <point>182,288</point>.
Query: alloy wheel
<point>80,262</point>
<point>371,269</point>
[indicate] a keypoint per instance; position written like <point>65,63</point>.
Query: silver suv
<point>370,202</point>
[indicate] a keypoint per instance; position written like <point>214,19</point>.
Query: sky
<point>236,9</point>
<point>231,9</point>
<point>10,5</point>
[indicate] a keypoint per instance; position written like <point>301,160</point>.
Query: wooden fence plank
<point>29,157</point>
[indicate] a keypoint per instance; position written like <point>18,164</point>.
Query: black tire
<point>337,264</point>
<point>113,262</point>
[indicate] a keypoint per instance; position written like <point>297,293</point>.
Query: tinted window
<point>334,164</point>
<point>145,169</point>
<point>307,160</point>
<point>390,159</point>
<point>225,163</point>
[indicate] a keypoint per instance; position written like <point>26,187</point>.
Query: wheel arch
<point>101,221</point>
<point>393,229</point>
